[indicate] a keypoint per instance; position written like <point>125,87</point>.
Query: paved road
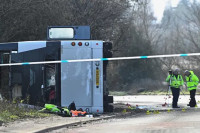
<point>165,122</point>
<point>155,102</point>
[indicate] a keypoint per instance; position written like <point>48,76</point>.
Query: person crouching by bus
<point>175,81</point>
<point>192,81</point>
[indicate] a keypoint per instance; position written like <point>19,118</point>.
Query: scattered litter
<point>131,108</point>
<point>148,112</point>
<point>164,104</point>
<point>183,109</point>
<point>64,111</point>
<point>124,111</point>
<point>144,107</point>
<point>91,116</point>
<point>166,98</point>
<point>156,112</point>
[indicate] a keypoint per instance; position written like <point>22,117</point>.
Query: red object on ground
<point>128,104</point>
<point>164,104</point>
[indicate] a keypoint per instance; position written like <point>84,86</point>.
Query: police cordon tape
<point>103,59</point>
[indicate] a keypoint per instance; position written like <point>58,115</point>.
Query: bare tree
<point>28,19</point>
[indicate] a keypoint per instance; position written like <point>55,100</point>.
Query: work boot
<point>192,106</point>
<point>175,107</point>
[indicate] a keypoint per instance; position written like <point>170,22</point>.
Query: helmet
<point>187,73</point>
<point>176,71</point>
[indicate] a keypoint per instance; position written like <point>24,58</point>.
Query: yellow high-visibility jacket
<point>192,81</point>
<point>175,82</point>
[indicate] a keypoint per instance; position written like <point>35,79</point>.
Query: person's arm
<point>195,79</point>
<point>168,78</point>
<point>186,79</point>
<point>182,81</point>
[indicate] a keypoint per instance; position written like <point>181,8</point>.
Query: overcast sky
<point>159,6</point>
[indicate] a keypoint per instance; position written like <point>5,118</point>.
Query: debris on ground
<point>64,111</point>
<point>51,108</point>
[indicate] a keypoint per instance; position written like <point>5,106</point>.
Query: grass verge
<point>11,112</point>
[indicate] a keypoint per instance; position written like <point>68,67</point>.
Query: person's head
<point>187,73</point>
<point>170,72</point>
<point>176,72</point>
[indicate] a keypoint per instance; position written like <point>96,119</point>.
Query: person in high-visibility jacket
<point>175,81</point>
<point>192,82</point>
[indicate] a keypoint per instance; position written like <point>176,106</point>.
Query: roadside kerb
<point>95,119</point>
<point>134,113</point>
<point>41,126</point>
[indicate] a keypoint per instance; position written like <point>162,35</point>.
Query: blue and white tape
<point>103,59</point>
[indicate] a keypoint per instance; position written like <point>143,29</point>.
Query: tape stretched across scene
<point>103,59</point>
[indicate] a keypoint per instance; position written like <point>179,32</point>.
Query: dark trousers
<point>175,93</point>
<point>192,98</point>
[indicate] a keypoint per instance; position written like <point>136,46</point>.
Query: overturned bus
<point>57,83</point>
